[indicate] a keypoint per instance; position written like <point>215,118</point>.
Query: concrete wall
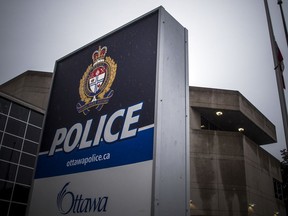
<point>31,87</point>
<point>229,172</point>
<point>230,100</point>
<point>218,178</point>
<point>260,169</point>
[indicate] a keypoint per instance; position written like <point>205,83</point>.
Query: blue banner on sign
<point>129,151</point>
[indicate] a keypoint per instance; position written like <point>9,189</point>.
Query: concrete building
<point>23,101</point>
<point>33,87</point>
<point>230,173</point>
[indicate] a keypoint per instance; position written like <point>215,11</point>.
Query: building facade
<point>32,87</point>
<point>20,130</point>
<point>230,173</point>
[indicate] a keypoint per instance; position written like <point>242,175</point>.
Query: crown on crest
<point>99,55</point>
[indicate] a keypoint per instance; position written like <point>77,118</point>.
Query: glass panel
<point>15,127</point>
<point>24,175</point>
<point>8,171</point>
<point>9,155</point>
<point>4,207</point>
<point>5,190</point>
<point>36,118</point>
<point>21,193</point>
<point>4,105</point>
<point>17,209</point>
<point>30,147</point>
<point>12,142</point>
<point>27,160</point>
<point>33,133</point>
<point>19,112</point>
<point>2,121</point>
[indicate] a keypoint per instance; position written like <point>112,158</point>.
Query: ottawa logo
<point>94,88</point>
<point>69,202</point>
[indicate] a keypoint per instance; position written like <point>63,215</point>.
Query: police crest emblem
<point>94,88</point>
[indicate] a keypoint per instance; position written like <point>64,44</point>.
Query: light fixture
<point>192,205</point>
<point>276,213</point>
<point>241,129</point>
<point>251,208</point>
<point>252,205</point>
<point>219,113</point>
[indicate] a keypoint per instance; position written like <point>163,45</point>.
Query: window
<point>33,133</point>
<point>24,175</point>
<point>17,209</point>
<point>278,189</point>
<point>36,119</point>
<point>30,147</point>
<point>2,121</point>
<point>4,206</point>
<point>19,112</point>
<point>21,193</point>
<point>8,171</point>
<point>27,160</point>
<point>207,125</point>
<point>12,142</point>
<point>9,155</point>
<point>5,190</point>
<point>20,130</point>
<point>15,127</point>
<point>4,105</point>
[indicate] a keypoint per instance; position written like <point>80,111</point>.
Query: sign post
<point>115,140</point>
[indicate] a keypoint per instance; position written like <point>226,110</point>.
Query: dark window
<point>5,190</point>
<point>278,189</point>
<point>33,133</point>
<point>17,209</point>
<point>3,119</point>
<point>36,118</point>
<point>19,112</point>
<point>30,147</point>
<point>27,160</point>
<point>12,142</point>
<point>9,155</point>
<point>4,208</point>
<point>15,127</point>
<point>24,175</point>
<point>21,193</point>
<point>4,105</point>
<point>207,125</point>
<point>8,171</point>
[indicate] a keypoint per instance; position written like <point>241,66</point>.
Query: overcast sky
<point>229,44</point>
